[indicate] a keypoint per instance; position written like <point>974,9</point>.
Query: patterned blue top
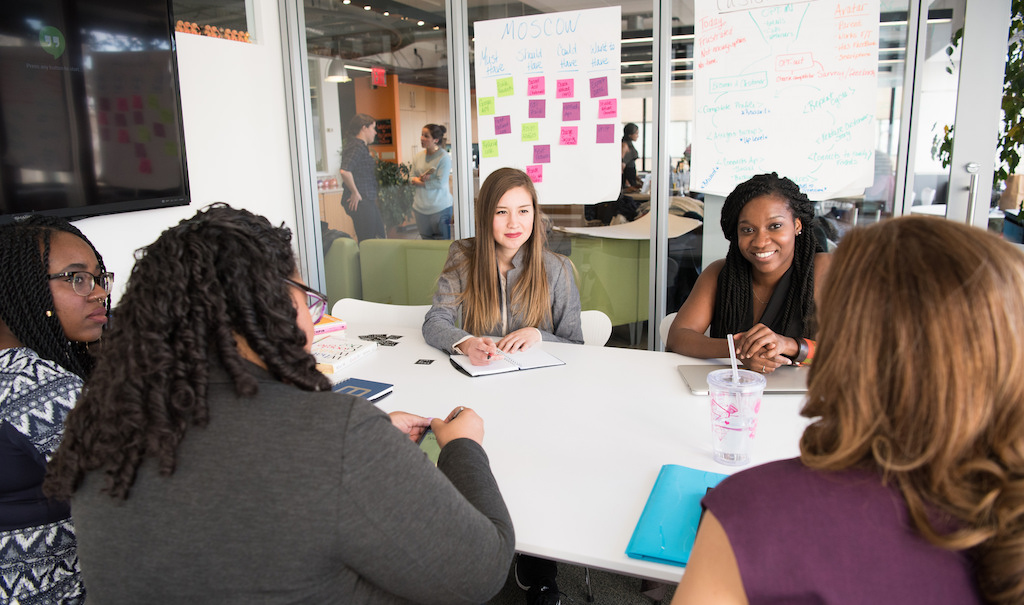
<point>38,554</point>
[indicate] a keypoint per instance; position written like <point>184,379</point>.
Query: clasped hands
<point>483,350</point>
<point>761,350</point>
<point>467,424</point>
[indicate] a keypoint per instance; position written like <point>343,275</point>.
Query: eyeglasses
<point>317,301</point>
<point>83,282</point>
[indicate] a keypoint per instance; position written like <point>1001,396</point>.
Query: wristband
<point>803,350</point>
<point>810,350</point>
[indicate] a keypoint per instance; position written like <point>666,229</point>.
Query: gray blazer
<point>441,324</point>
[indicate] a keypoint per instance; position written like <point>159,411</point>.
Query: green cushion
<point>341,269</point>
<point>614,276</point>
<point>401,271</point>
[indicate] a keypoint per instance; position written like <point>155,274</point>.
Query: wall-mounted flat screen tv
<point>90,113</point>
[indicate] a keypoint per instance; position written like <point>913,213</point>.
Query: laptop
<point>787,379</point>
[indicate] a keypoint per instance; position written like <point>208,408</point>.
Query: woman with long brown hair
<point>503,282</point>
<point>910,483</point>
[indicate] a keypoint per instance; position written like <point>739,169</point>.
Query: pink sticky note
<point>145,166</point>
<point>140,150</point>
<point>568,135</point>
<point>502,124</point>
<point>599,87</point>
<point>535,86</point>
<point>565,89</point>
<point>542,154</point>
<point>536,173</point>
<point>607,108</point>
<point>136,101</point>
<point>122,104</point>
<point>123,136</point>
<point>537,108</point>
<point>570,111</point>
<point>606,133</point>
<point>158,129</point>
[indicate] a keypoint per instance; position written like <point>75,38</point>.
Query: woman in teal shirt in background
<point>432,201</point>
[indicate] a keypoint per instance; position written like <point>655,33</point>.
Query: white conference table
<point>576,448</point>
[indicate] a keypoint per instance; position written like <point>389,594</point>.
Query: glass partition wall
<point>394,61</point>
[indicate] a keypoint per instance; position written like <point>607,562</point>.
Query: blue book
<point>367,389</point>
<point>668,525</point>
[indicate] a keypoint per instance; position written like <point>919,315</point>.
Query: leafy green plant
<point>1011,135</point>
<point>394,195</point>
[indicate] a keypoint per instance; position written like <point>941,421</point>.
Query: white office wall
<point>236,139</point>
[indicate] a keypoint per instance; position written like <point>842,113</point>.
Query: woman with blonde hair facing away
<point>208,460</point>
<point>503,282</point>
<point>910,483</point>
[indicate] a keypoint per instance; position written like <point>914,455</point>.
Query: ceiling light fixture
<point>336,72</point>
<point>419,23</point>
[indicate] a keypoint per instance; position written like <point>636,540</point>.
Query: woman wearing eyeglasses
<point>53,303</point>
<point>208,461</point>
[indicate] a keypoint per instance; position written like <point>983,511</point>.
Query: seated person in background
<point>503,282</point>
<point>53,303</point>
<point>763,291</point>
<point>910,483</point>
<point>209,462</point>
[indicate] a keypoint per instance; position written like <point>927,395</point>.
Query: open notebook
<point>787,379</point>
<point>532,358</point>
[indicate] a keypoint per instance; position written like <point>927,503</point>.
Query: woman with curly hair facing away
<point>911,475</point>
<point>209,462</point>
<point>53,303</point>
<point>503,282</point>
<point>763,291</point>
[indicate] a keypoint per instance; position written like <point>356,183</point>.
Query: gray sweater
<point>441,324</point>
<point>298,497</point>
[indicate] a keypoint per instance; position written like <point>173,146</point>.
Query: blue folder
<point>668,525</point>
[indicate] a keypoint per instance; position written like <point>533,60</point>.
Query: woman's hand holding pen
<point>520,340</point>
<point>412,425</point>
<point>462,423</point>
<point>481,351</point>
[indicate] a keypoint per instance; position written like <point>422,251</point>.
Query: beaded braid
<point>213,277</point>
<point>733,301</point>
<point>25,297</point>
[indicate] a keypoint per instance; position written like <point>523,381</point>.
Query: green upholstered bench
<point>613,276</point>
<point>341,269</point>
<point>401,271</point>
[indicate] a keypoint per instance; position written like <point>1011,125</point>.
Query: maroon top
<point>805,536</point>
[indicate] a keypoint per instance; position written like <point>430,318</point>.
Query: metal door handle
<point>972,192</point>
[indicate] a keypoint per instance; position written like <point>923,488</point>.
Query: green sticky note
<point>531,131</point>
<point>170,149</point>
<point>153,101</point>
<point>485,106</point>
<point>142,134</point>
<point>505,88</point>
<point>166,116</point>
<point>489,148</point>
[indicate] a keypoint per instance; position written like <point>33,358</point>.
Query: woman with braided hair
<point>208,460</point>
<point>763,291</point>
<point>53,303</point>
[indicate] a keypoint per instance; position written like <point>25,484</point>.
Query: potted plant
<point>394,195</point>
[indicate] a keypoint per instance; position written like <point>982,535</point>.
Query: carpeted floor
<point>609,589</point>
